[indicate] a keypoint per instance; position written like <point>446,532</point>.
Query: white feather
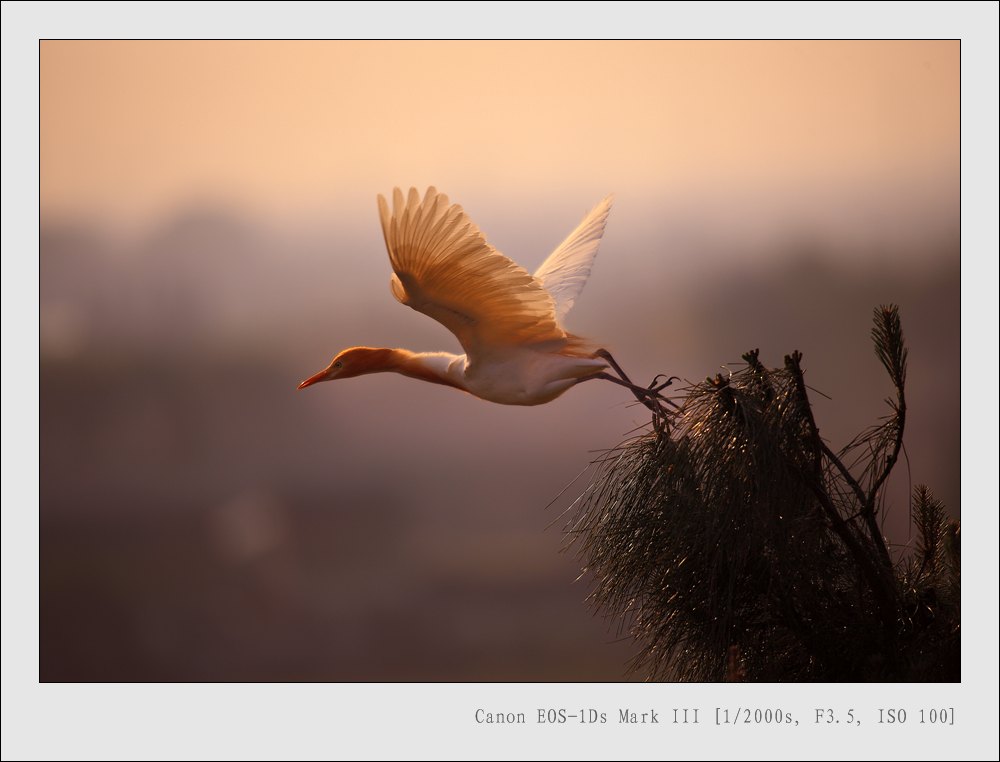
<point>566,270</point>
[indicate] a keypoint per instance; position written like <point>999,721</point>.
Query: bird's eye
<point>338,364</point>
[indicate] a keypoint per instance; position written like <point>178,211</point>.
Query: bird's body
<point>508,321</point>
<point>530,375</point>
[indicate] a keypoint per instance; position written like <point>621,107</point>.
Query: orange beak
<point>321,376</point>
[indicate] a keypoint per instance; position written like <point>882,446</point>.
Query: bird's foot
<point>658,388</point>
<point>649,396</point>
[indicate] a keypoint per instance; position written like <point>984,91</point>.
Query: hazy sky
<point>131,129</point>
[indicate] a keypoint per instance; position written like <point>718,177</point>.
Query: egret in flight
<point>508,321</point>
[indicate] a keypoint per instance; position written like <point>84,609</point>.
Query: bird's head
<point>355,361</point>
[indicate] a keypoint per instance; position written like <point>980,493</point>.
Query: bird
<point>508,321</point>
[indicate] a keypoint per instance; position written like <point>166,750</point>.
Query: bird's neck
<point>435,367</point>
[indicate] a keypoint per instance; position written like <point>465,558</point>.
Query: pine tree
<point>733,543</point>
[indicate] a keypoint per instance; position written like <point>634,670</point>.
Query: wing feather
<point>565,272</point>
<point>444,267</point>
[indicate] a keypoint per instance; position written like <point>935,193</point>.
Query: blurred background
<point>209,237</point>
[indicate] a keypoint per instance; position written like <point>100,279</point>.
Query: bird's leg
<point>647,397</point>
<point>606,355</point>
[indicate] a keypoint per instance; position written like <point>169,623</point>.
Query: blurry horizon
<point>209,238</point>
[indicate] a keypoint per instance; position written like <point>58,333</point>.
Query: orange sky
<point>132,129</point>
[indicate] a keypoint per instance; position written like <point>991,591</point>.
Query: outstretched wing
<point>444,268</point>
<point>565,272</point>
